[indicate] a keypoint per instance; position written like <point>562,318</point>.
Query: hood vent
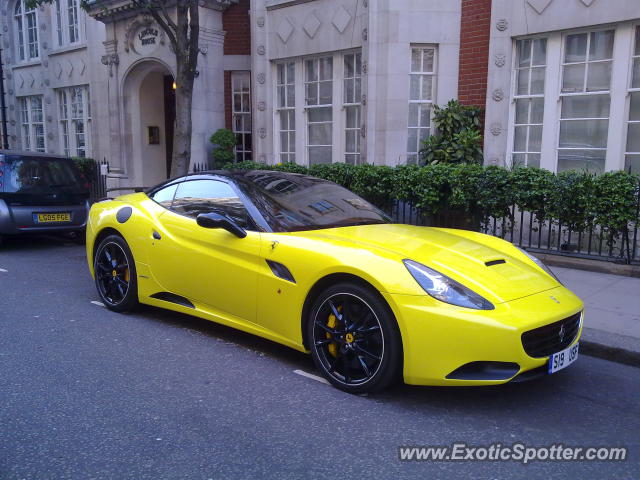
<point>491,263</point>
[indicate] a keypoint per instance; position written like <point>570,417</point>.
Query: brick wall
<point>474,52</point>
<point>235,21</point>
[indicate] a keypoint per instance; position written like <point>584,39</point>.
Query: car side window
<point>194,197</point>
<point>165,195</point>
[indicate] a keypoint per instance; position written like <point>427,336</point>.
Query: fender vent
<point>494,262</point>
<point>173,298</point>
<point>280,271</point>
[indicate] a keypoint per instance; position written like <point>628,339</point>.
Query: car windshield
<point>40,175</point>
<point>292,202</point>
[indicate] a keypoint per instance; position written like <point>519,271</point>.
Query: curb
<point>607,352</point>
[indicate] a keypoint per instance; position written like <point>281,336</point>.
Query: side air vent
<point>279,270</point>
<point>494,262</point>
<point>173,298</point>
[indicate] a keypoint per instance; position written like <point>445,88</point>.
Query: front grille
<point>547,340</point>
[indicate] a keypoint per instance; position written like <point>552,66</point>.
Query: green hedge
<point>576,199</point>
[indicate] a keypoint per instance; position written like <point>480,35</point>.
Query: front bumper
<point>439,338</point>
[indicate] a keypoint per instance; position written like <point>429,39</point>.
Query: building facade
<point>319,81</point>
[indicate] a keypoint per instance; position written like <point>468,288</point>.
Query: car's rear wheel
<point>115,274</point>
<point>354,338</point>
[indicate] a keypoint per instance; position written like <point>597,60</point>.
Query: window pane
<point>588,106</point>
<point>573,78</point>
<point>427,60</point>
<point>634,108</point>
<point>416,60</point>
<point>412,140</point>
<point>319,155</point>
<point>632,164</point>
<point>537,110</point>
<point>524,53</point>
<point>520,139</point>
<point>427,86</point>
<point>326,68</point>
<point>326,93</point>
<point>280,69</point>
<point>637,51</point>
<point>413,114</point>
<point>425,116</point>
<point>535,138</point>
<point>311,71</point>
<point>320,134</point>
<point>537,80</point>
<point>349,65</point>
<point>523,82</point>
<point>601,47</point>
<point>414,89</point>
<point>583,133</point>
<point>320,114</point>
<point>519,159</point>
<point>635,82</point>
<point>633,138</point>
<point>539,52</point>
<point>576,48</point>
<point>352,117</point>
<point>522,110</point>
<point>533,160</point>
<point>599,77</point>
<point>590,160</point>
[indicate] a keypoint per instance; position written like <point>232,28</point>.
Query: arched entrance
<point>149,115</point>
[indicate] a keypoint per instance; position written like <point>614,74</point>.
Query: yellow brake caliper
<point>333,346</point>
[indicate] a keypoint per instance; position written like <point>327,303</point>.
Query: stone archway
<point>149,114</point>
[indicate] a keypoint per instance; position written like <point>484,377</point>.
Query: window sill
<point>27,63</point>
<point>68,48</point>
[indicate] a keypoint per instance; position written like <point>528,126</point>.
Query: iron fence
<point>98,181</point>
<point>549,235</point>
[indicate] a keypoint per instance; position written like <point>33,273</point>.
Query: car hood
<point>459,254</point>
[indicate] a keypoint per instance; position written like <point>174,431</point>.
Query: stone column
<point>208,88</point>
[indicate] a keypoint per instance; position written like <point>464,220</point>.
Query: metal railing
<point>525,230</point>
<point>98,181</point>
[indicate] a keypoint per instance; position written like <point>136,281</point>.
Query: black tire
<point>354,338</point>
<point>115,274</point>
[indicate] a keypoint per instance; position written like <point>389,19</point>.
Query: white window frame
<point>72,117</point>
<point>631,90</point>
<point>338,135</point>
<point>287,155</point>
<point>26,24</point>
<point>414,156</point>
<point>244,131</point>
<point>28,123</point>
<point>584,92</point>
<point>515,96</point>
<point>68,22</point>
<point>354,157</point>
<point>618,114</point>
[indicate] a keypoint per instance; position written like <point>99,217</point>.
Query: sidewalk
<point>612,313</point>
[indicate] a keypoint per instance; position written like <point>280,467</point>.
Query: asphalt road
<point>90,394</point>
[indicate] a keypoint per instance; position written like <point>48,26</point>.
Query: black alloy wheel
<point>354,339</point>
<point>115,274</point>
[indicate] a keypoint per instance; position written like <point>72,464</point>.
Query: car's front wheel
<point>354,338</point>
<point>115,274</point>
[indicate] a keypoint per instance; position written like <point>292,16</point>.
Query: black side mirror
<point>215,220</point>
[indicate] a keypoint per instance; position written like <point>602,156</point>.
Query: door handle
<point>156,235</point>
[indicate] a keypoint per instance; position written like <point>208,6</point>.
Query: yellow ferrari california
<point>306,263</point>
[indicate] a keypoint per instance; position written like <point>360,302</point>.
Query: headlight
<point>540,263</point>
<point>446,289</point>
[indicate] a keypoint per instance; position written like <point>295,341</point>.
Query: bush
<point>223,140</point>
<point>457,139</point>
<point>88,167</point>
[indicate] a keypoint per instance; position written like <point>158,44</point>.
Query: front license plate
<point>563,359</point>
<point>51,217</point>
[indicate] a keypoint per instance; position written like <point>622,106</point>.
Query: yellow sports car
<point>306,263</point>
